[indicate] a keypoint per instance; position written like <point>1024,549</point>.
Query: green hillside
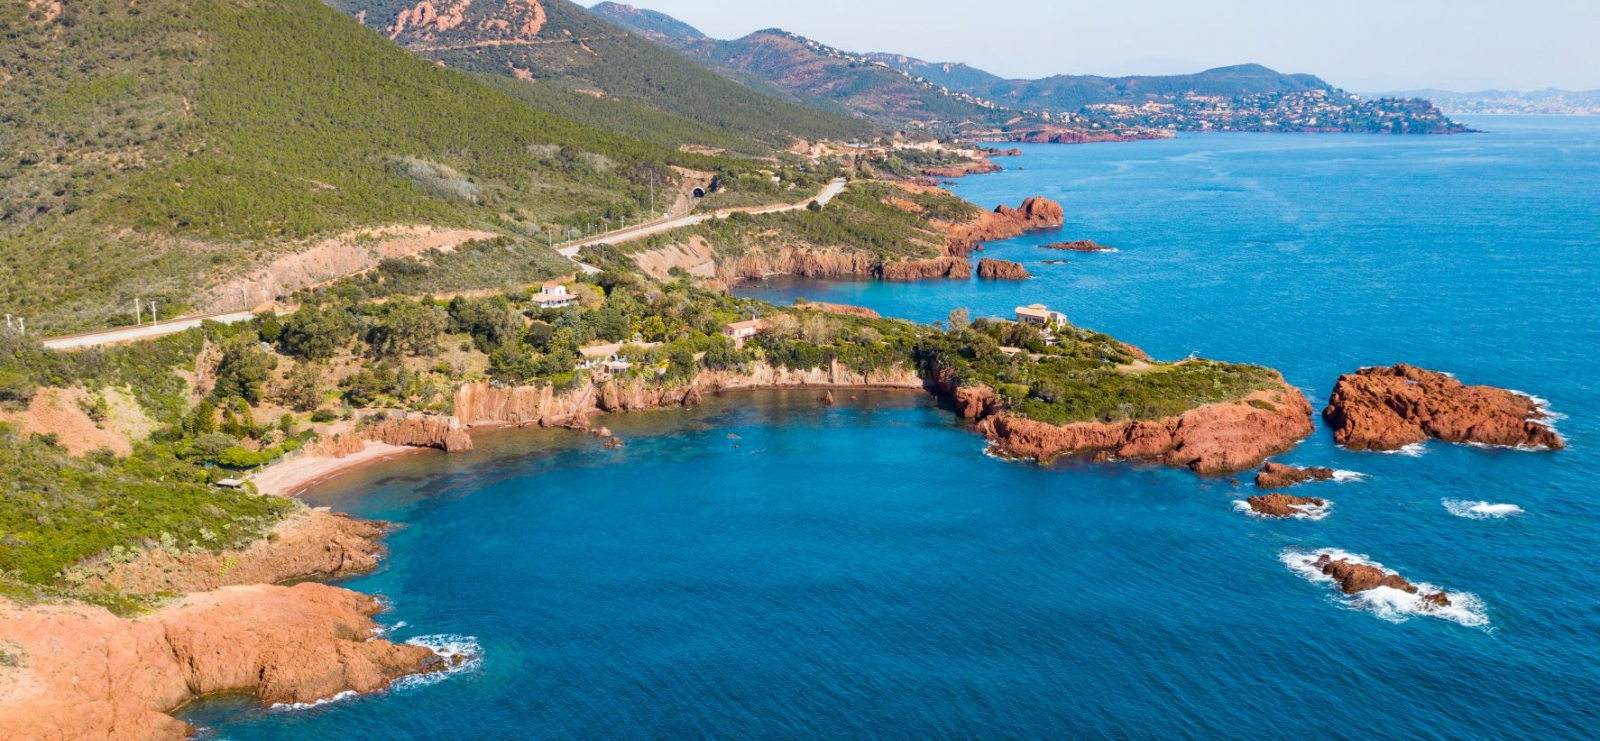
<point>557,44</point>
<point>154,147</point>
<point>813,73</point>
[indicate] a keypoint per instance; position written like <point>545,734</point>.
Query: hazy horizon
<point>1364,45</point>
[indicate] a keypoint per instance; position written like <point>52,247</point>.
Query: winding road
<point>569,251</point>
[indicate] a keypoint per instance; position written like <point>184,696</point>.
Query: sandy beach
<point>292,477</point>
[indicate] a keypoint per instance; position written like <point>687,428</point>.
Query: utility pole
<point>22,326</point>
<point>138,318</point>
<point>652,193</point>
<point>154,318</point>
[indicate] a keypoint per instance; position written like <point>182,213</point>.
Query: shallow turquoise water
<point>865,571</point>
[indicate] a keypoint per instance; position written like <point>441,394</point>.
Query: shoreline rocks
<point>1387,409</point>
<point>1278,475</point>
<point>1004,222</point>
<point>991,269</point>
<point>81,672</point>
<point>1283,505</point>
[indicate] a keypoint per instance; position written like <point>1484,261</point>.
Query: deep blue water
<point>865,571</point>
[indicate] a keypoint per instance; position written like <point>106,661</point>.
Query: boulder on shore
<point>1278,475</point>
<point>1390,408</point>
<point>991,269</point>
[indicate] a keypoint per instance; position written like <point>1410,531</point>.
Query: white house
<point>553,296</point>
<point>1037,314</point>
<point>741,331</point>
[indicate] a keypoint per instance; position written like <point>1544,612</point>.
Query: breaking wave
<point>1480,510</point>
<point>1393,605</point>
<point>1303,511</point>
<point>460,654</point>
<point>291,706</point>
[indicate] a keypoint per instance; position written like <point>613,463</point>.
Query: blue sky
<point>1361,45</point>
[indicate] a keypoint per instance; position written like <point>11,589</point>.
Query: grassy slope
<point>164,143</point>
<point>575,50</point>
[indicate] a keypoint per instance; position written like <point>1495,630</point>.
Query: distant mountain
<point>1072,92</point>
<point>958,98</point>
<point>570,52</point>
<point>1501,102</point>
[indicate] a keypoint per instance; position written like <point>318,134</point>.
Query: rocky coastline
<point>80,672</point>
<point>1389,408</point>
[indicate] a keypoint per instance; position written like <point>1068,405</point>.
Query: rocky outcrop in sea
<point>1390,408</point>
<point>1278,475</point>
<point>991,269</point>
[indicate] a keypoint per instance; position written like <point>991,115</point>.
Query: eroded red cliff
<point>1211,439</point>
<point>79,672</point>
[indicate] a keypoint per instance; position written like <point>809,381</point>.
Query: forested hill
<point>569,55</point>
<point>155,148</point>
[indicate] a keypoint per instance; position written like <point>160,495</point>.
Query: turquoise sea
<point>764,567</point>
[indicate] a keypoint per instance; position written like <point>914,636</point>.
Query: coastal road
<point>569,251</point>
<point>141,332</point>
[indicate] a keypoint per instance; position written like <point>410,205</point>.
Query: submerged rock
<point>1079,245</point>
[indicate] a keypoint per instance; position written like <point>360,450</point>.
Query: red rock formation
<point>1278,475</point>
<point>1057,135</point>
<point>84,673</point>
<point>976,167</point>
<point>1211,439</point>
<point>1080,245</point>
<point>1002,223</point>
<point>311,544</point>
<point>938,267</point>
<point>991,269</point>
<point>1390,408</point>
<point>1359,577</point>
<point>411,431</point>
<point>1282,505</point>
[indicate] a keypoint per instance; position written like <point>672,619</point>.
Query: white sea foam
<point>1480,510</point>
<point>460,654</point>
<point>1393,605</point>
<point>1414,450</point>
<point>289,706</point>
<point>1302,511</point>
<point>1346,477</point>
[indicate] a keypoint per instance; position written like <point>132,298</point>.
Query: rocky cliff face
<point>1390,408</point>
<point>79,672</point>
<point>410,430</point>
<point>1004,222</point>
<point>311,544</point>
<point>991,269</point>
<point>1278,475</point>
<point>481,404</point>
<point>1212,439</point>
<point>953,268</point>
